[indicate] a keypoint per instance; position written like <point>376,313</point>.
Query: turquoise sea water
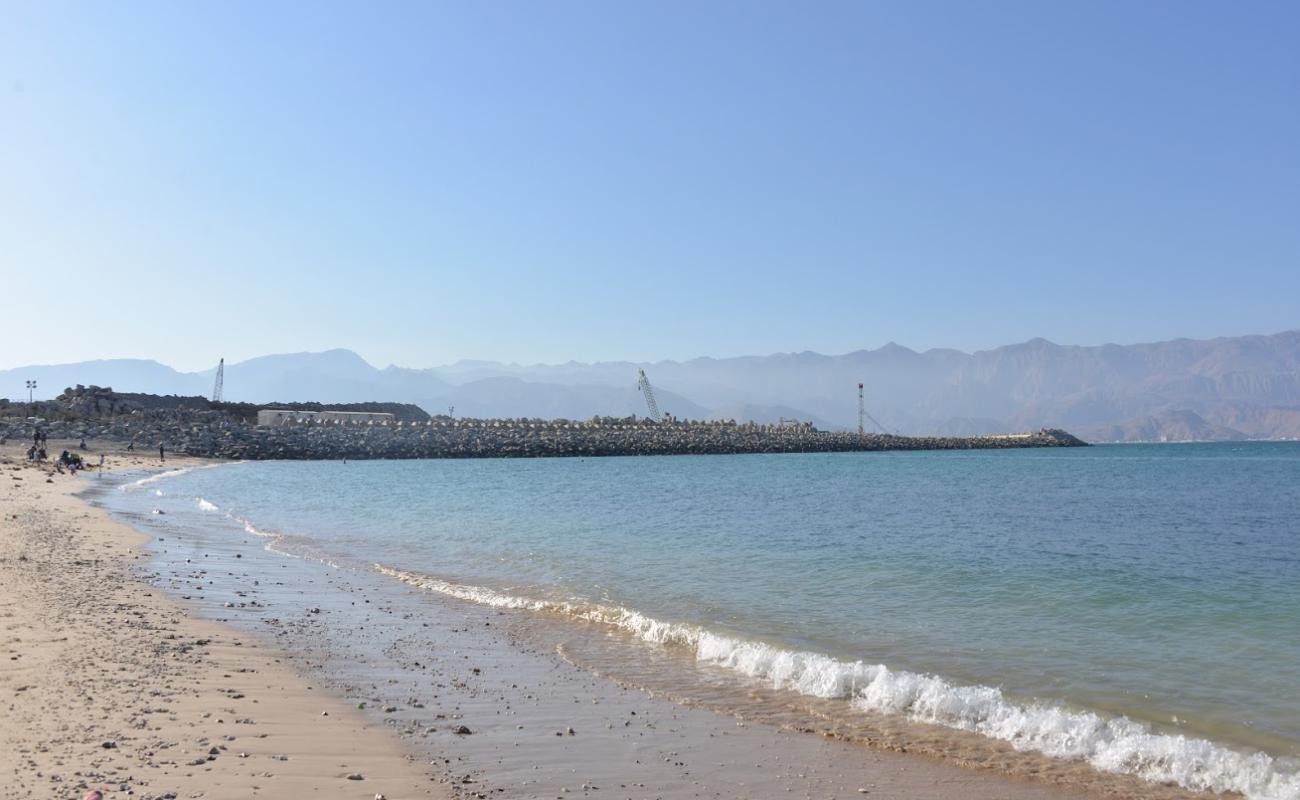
<point>1134,606</point>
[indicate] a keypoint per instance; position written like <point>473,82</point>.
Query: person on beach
<point>162,456</point>
<point>130,447</point>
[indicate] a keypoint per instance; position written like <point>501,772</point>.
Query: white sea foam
<point>1111,744</point>
<point>276,542</point>
<point>145,481</point>
<point>252,529</point>
<point>274,539</point>
<point>159,476</point>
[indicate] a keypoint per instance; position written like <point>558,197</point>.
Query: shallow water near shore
<point>1130,607</point>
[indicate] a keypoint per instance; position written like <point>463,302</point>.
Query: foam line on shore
<point>145,481</point>
<point>273,538</point>
<point>1109,744</point>
<point>160,476</point>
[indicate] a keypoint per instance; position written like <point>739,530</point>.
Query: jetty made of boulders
<point>197,427</point>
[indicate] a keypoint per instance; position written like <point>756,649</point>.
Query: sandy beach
<point>106,684</point>
<point>213,668</point>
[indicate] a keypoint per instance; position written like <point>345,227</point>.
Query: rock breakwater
<point>220,434</point>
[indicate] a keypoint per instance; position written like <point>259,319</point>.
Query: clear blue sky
<point>528,181</point>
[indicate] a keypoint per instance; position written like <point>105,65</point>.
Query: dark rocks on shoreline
<point>94,413</point>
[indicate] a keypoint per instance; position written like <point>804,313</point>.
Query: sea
<point>1135,608</point>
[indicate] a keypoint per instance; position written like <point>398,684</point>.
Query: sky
<point>540,182</point>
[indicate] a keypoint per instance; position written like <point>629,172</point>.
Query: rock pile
<point>94,401</point>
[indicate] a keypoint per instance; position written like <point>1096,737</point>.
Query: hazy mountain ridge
<point>1226,388</point>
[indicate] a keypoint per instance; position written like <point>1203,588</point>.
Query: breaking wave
<point>1110,744</point>
<point>160,476</point>
<point>204,505</point>
<point>280,544</point>
<point>150,479</point>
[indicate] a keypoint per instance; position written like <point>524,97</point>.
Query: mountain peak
<point>337,357</point>
<point>892,347</point>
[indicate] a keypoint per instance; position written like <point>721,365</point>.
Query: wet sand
<point>107,684</point>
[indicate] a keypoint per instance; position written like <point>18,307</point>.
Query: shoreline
<point>328,649</point>
<point>109,684</point>
<point>349,630</point>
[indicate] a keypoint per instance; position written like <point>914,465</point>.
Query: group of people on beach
<point>68,460</point>
<point>74,462</point>
<point>37,451</point>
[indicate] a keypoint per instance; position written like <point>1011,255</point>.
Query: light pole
<point>31,385</point>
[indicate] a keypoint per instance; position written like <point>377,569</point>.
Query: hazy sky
<point>543,181</point>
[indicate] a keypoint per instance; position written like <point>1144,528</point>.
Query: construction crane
<point>643,383</point>
<point>221,379</point>
<point>863,415</point>
<point>862,411</point>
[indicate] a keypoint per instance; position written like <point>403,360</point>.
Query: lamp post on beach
<point>30,386</point>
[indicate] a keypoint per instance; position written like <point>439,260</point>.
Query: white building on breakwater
<point>274,418</point>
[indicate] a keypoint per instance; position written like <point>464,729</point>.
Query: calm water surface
<point>1032,595</point>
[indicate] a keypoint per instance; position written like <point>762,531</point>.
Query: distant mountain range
<point>1245,387</point>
